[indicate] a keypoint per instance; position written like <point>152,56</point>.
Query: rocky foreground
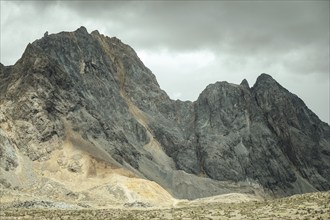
<point>306,206</point>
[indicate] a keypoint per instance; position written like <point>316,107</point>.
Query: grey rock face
<point>304,139</point>
<point>232,138</point>
<point>8,158</point>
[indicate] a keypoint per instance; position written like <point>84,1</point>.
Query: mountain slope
<point>92,92</point>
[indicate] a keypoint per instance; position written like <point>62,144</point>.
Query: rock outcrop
<point>94,92</point>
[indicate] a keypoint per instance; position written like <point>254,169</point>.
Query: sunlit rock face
<point>93,93</point>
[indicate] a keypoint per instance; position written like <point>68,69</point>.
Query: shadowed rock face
<point>303,138</point>
<point>232,138</point>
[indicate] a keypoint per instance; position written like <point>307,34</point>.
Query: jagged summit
<point>245,83</point>
<point>95,32</point>
<point>264,77</point>
<point>82,30</point>
<point>84,106</point>
<point>265,80</point>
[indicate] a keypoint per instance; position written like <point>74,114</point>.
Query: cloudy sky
<point>190,44</point>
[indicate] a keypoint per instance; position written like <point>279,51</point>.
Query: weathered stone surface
<point>8,158</point>
<point>304,138</point>
<point>232,138</point>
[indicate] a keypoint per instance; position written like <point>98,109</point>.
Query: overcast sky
<point>190,44</point>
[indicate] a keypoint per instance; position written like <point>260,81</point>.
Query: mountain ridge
<point>233,138</point>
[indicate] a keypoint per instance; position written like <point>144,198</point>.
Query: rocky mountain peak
<point>81,30</point>
<point>266,81</point>
<point>245,84</point>
<point>78,102</point>
<point>95,32</point>
<point>264,77</point>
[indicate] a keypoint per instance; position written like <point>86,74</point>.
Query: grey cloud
<point>252,26</point>
<point>310,59</point>
<point>240,28</point>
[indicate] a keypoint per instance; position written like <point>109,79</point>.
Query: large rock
<point>232,138</point>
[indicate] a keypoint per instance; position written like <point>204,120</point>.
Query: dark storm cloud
<point>210,23</point>
<point>242,28</point>
<point>250,26</point>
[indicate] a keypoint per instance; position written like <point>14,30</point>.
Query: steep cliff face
<point>92,92</point>
<point>303,138</point>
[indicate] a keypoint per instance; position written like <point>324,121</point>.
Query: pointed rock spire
<point>82,30</point>
<point>95,32</point>
<point>265,78</point>
<point>265,82</point>
<point>245,84</point>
